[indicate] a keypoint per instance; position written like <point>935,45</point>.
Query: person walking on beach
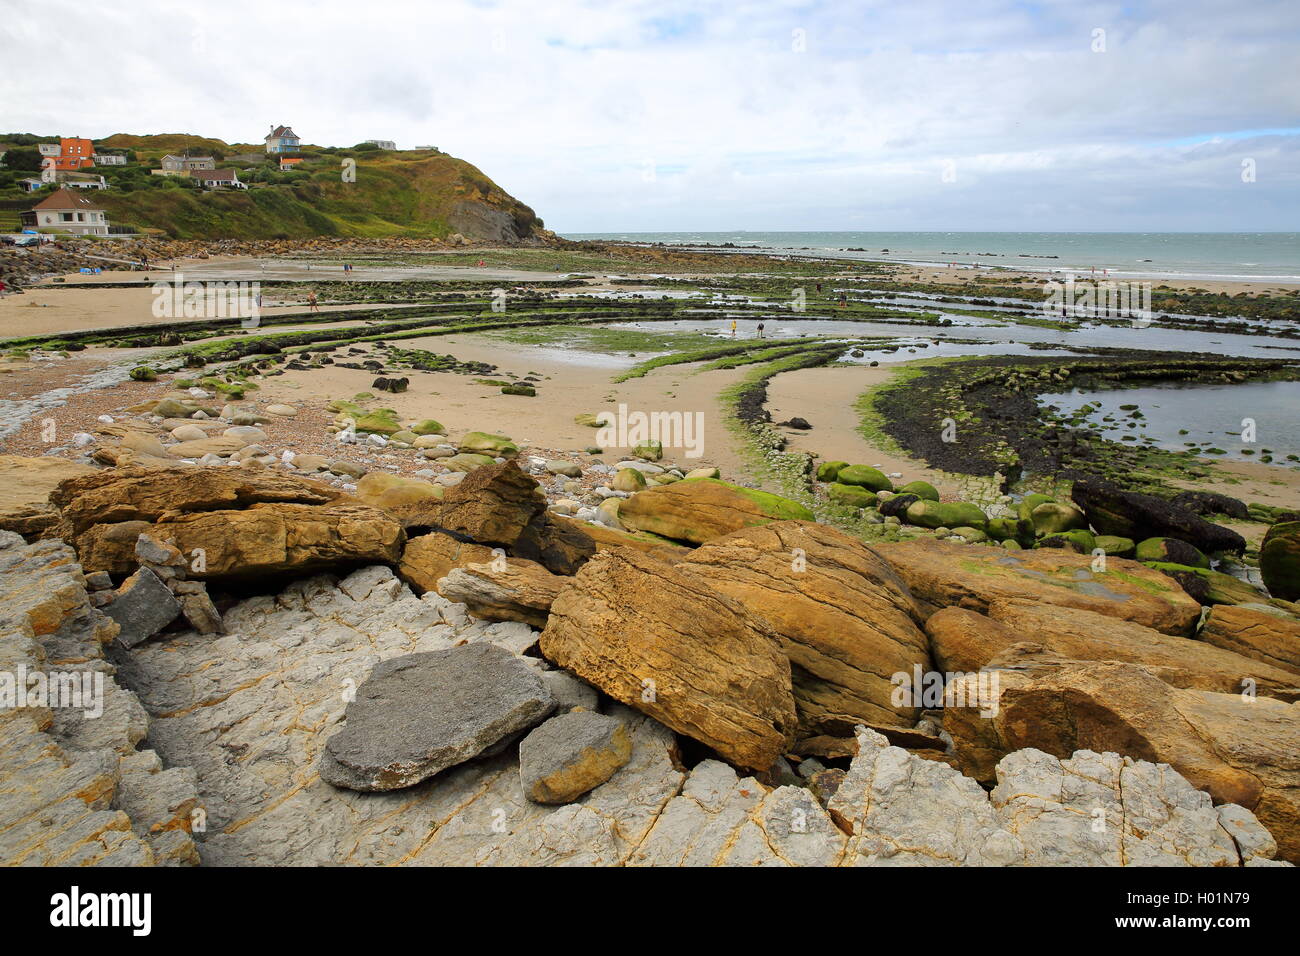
<point>311,301</point>
<point>760,330</point>
<point>733,328</point>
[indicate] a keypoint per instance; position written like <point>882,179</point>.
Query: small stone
<point>570,755</point>
<point>99,581</point>
<point>149,550</point>
<point>201,613</point>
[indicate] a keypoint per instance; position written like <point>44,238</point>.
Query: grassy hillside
<point>402,193</point>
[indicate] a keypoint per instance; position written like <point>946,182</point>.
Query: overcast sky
<point>623,115</point>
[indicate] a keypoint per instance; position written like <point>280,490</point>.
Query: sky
<point>682,115</point>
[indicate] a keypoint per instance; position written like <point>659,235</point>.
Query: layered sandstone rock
<point>840,613</point>
<point>508,589</point>
<point>965,641</point>
<point>701,509</point>
<point>942,574</point>
<point>430,557</point>
<point>77,791</point>
<point>493,505</point>
<point>412,501</point>
<point>1262,632</point>
<point>661,639</point>
<point>226,521</point>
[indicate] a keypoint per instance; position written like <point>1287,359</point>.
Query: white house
<point>67,211</point>
<point>50,149</point>
<point>382,143</point>
<point>213,178</point>
<point>109,159</point>
<point>282,139</point>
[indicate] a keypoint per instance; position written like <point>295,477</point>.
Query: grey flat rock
<point>419,714</point>
<point>142,608</point>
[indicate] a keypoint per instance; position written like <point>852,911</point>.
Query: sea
<point>1184,256</point>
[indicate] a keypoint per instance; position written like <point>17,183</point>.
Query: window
<point>65,217</point>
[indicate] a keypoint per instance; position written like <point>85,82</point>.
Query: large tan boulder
<point>963,641</point>
<point>492,505</point>
<point>662,640</point>
<point>701,509</point>
<point>842,616</point>
<point>1241,749</point>
<point>25,486</point>
<point>227,521</point>
<point>943,574</point>
<point>1262,632</point>
<point>504,589</point>
<point>430,557</point>
<point>413,502</point>
<point>145,494</point>
<point>282,538</point>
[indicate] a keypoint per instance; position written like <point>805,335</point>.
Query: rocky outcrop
<point>840,613</point>
<point>964,641</point>
<point>77,791</point>
<point>1087,809</point>
<point>419,714</point>
<point>1111,510</point>
<point>1236,747</point>
<point>942,574</point>
<point>1260,631</point>
<point>661,639</point>
<point>255,742</point>
<point>701,509</point>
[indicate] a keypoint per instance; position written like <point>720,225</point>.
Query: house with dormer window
<point>282,139</point>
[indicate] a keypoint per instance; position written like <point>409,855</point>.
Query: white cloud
<point>564,103</point>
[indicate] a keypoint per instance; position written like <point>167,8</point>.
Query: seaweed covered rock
<point>1130,514</point>
<point>864,476</point>
<point>1279,560</point>
<point>1170,551</point>
<point>925,513</point>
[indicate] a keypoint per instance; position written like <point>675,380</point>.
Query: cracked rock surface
<point>251,711</point>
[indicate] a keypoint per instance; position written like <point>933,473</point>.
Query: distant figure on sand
<point>733,328</point>
<point>311,301</point>
<point>760,330</point>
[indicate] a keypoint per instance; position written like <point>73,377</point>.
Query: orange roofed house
<point>67,210</point>
<point>74,153</point>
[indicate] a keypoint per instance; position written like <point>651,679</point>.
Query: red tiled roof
<point>67,199</point>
